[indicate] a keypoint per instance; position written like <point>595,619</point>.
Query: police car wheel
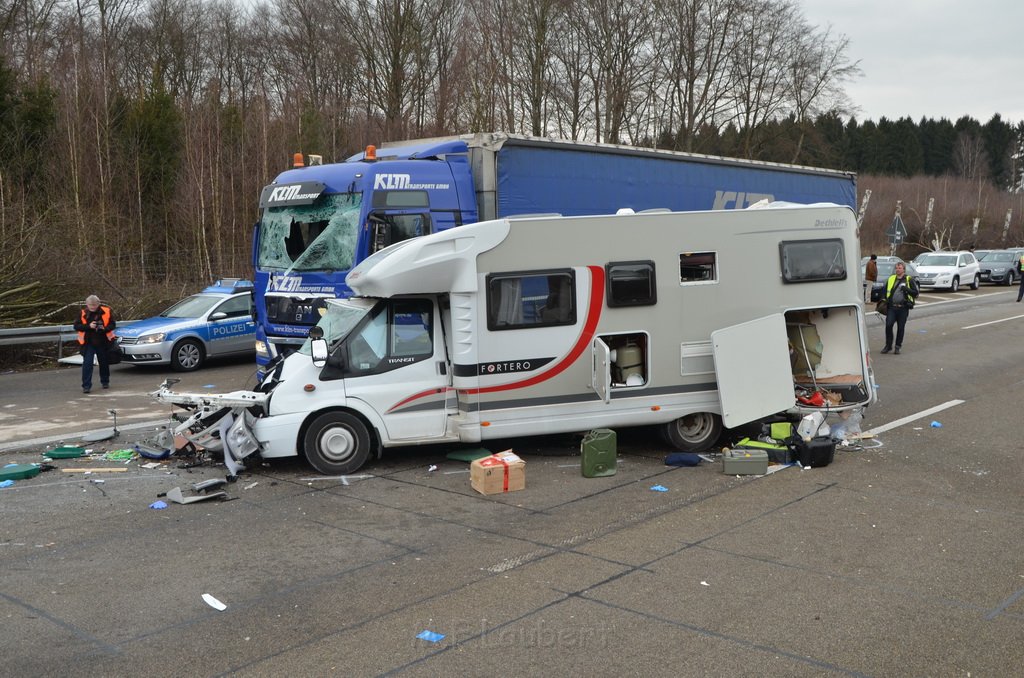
<point>977,282</point>
<point>695,432</point>
<point>187,355</point>
<point>337,443</point>
<point>955,285</point>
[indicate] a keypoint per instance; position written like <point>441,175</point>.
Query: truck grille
<point>294,310</point>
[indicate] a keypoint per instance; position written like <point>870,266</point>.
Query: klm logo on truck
<point>286,193</point>
<point>402,182</point>
<point>294,283</point>
<point>737,200</point>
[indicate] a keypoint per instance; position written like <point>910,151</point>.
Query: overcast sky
<point>931,58</point>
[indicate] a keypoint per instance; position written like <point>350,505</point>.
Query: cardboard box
<point>500,472</point>
<point>745,462</point>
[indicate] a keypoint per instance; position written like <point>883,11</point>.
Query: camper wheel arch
<point>338,442</point>
<point>695,432</point>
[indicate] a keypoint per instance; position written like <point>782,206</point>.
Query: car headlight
<point>152,338</point>
<point>999,269</point>
<point>261,349</point>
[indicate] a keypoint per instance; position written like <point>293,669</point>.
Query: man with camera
<point>95,326</point>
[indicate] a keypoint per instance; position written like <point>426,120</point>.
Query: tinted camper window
<point>631,283</point>
<point>535,299</point>
<point>812,260</point>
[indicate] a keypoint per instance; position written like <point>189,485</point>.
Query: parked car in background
<point>948,270</point>
<point>1000,266</point>
<point>886,267</point>
<point>216,322</point>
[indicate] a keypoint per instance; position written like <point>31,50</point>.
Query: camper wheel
<point>337,443</point>
<point>695,432</point>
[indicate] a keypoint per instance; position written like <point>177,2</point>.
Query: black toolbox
<point>818,451</point>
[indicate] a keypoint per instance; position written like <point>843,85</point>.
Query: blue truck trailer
<point>317,222</point>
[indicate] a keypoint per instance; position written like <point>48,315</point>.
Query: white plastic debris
<point>213,602</point>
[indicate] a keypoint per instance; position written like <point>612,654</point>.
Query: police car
<point>216,322</point>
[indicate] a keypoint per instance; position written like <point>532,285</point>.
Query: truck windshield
<point>317,237</point>
<point>340,316</point>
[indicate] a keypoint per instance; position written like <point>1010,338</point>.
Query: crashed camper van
<point>680,320</point>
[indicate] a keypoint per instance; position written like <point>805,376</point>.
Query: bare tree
<point>969,157</point>
<point>819,69</point>
<point>618,35</point>
<point>760,66</point>
<point>392,34</point>
<point>701,40</point>
<point>572,93</point>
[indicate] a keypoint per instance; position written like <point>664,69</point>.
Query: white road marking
<point>914,417</point>
<point>992,322</point>
<point>74,435</point>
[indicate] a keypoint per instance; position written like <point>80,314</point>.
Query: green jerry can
<point>599,449</point>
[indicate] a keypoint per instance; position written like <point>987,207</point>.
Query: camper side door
<point>755,379</point>
<point>601,378</point>
<point>396,364</point>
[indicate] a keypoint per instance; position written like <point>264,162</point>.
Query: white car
<point>948,270</point>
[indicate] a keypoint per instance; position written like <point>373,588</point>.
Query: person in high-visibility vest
<point>1020,269</point>
<point>95,327</point>
<point>901,292</point>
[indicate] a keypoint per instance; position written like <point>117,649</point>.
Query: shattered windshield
<point>317,237</point>
<point>339,317</point>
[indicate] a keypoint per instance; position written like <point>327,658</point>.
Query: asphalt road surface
<point>901,558</point>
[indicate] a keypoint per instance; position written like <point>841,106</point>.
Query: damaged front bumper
<point>218,422</point>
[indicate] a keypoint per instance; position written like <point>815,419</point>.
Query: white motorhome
<point>514,327</point>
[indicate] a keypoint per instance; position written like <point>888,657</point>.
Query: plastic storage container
<point>599,449</point>
<point>817,452</point>
<point>745,462</point>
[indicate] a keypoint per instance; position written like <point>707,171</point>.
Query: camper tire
<point>695,432</point>
<point>337,443</point>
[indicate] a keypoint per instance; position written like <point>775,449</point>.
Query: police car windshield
<point>317,237</point>
<point>191,307</point>
<point>340,316</point>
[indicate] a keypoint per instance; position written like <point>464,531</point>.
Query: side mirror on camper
<point>318,346</point>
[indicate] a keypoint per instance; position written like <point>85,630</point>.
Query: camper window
<point>631,283</point>
<point>397,335</point>
<point>698,267</point>
<point>535,299</point>
<point>812,260</point>
<point>410,329</point>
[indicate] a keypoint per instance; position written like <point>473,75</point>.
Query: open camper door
<point>601,379</point>
<point>755,379</point>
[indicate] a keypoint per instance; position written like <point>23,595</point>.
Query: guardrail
<point>44,334</point>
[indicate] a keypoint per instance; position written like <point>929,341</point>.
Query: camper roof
<point>432,264</point>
